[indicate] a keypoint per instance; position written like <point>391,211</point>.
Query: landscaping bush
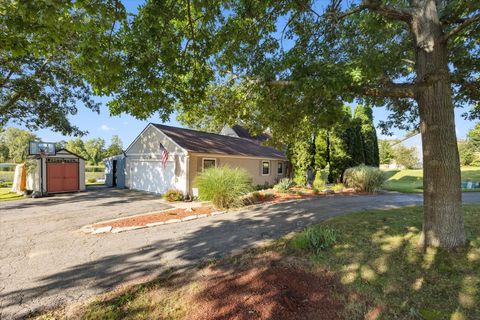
<point>91,180</point>
<point>223,186</point>
<point>256,195</point>
<point>320,182</point>
<point>173,195</point>
<point>283,185</point>
<point>364,178</point>
<point>264,186</point>
<point>338,187</point>
<point>315,239</point>
<point>300,180</point>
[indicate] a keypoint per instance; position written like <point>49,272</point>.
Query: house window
<point>265,168</point>
<point>280,167</point>
<point>209,163</point>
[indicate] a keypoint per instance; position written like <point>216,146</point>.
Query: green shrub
<point>223,186</point>
<point>319,182</point>
<point>256,195</point>
<point>91,180</point>
<point>364,178</point>
<point>314,239</point>
<point>338,187</point>
<point>173,195</point>
<point>300,180</point>
<point>283,185</point>
<point>264,186</point>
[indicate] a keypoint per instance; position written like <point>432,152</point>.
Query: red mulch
<point>154,217</point>
<point>271,292</point>
<point>278,197</point>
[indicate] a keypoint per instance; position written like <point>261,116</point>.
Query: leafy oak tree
<point>95,150</point>
<point>48,49</point>
<point>16,143</point>
<point>290,65</point>
<point>385,151</point>
<point>115,147</point>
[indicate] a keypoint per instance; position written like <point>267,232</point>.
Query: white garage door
<point>151,176</point>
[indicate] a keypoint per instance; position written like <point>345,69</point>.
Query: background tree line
<point>469,148</point>
<point>392,151</point>
<point>14,146</point>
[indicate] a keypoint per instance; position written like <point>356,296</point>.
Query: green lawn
<point>411,181</point>
<point>6,194</point>
<point>375,258</point>
<point>377,255</point>
<point>94,175</point>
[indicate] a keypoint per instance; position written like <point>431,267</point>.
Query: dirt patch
<point>268,292</point>
<point>143,220</point>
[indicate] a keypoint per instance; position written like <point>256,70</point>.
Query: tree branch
<point>16,95</point>
<point>190,22</point>
<point>308,8</point>
<point>466,23</point>
<point>392,90</point>
<point>385,10</point>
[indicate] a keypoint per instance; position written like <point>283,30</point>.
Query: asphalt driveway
<point>46,261</point>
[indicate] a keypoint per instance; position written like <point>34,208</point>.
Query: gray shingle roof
<point>204,142</point>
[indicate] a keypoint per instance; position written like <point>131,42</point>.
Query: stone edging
<point>89,229</point>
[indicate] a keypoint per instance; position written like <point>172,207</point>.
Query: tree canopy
<point>290,65</point>
<point>49,53</point>
<point>14,144</point>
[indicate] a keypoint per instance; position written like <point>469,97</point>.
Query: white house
<point>189,152</point>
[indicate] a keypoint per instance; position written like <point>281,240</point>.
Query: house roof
<point>73,154</point>
<point>205,142</point>
<point>244,133</point>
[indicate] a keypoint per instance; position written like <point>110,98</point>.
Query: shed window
<point>280,167</point>
<point>209,163</point>
<point>265,168</point>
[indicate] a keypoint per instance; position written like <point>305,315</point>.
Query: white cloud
<point>106,128</point>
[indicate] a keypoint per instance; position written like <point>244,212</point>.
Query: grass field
<point>6,194</point>
<point>94,175</point>
<point>411,181</point>
<point>381,274</point>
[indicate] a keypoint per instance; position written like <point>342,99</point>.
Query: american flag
<point>164,153</point>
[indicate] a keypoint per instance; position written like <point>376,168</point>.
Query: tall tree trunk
<point>443,224</point>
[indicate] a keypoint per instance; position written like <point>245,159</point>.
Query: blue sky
<point>103,125</point>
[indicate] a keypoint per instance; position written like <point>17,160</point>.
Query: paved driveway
<point>45,260</point>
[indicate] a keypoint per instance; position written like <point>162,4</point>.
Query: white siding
<point>144,163</point>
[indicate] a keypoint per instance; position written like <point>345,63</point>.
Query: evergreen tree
<point>364,117</point>
<point>300,157</point>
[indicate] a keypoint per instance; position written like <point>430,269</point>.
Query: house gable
<point>148,144</point>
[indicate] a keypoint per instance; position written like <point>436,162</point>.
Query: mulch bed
<point>278,197</point>
<point>268,292</point>
<point>143,220</point>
